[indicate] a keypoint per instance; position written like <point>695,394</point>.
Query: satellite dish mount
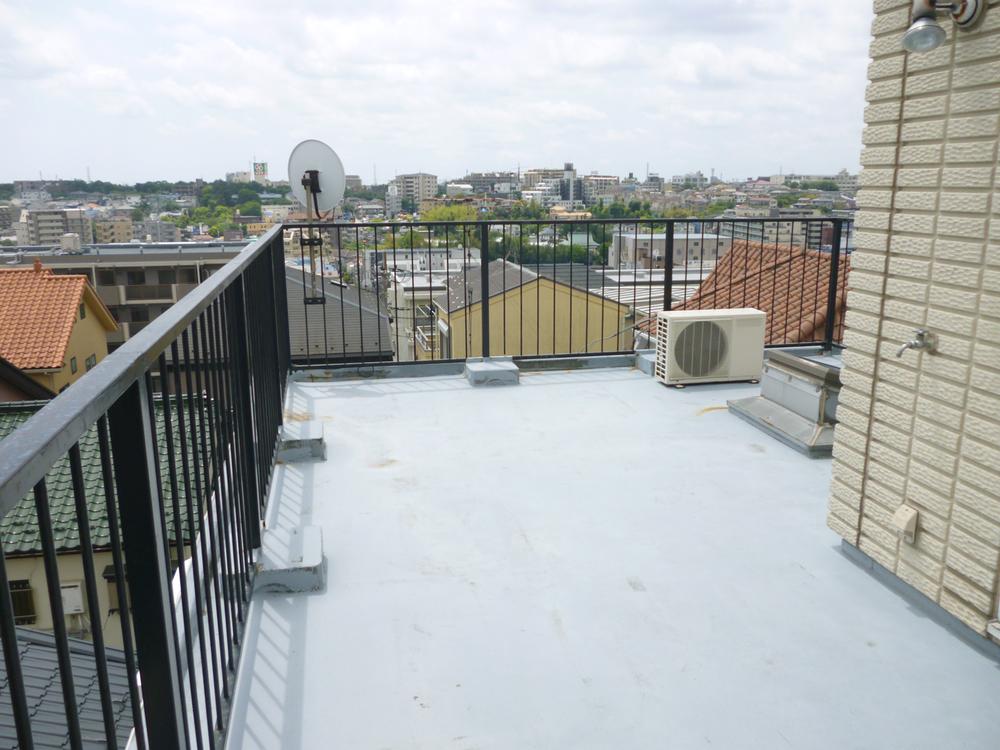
<point>320,189</point>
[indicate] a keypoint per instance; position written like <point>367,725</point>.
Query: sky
<point>136,90</point>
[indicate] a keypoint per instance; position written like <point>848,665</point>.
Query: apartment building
<point>416,187</point>
<point>492,182</point>
<point>156,231</point>
<point>353,182</point>
<point>597,187</point>
<point>694,179</point>
<point>112,231</point>
<point>47,226</point>
<point>638,249</point>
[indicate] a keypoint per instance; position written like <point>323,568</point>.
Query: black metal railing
<point>183,421</point>
<point>414,291</point>
<point>160,458</point>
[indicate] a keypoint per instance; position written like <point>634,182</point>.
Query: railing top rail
<point>563,222</point>
<point>27,455</point>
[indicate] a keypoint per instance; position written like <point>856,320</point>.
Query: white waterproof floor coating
<point>586,560</point>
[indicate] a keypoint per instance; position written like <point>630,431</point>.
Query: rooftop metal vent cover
<point>695,346</point>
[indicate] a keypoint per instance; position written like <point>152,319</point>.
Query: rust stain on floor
<point>708,409</point>
<point>385,462</point>
<point>298,416</point>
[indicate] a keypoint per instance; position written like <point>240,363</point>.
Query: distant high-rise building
<point>416,187</point>
<point>353,182</point>
<point>47,226</point>
<point>244,176</point>
<point>393,200</point>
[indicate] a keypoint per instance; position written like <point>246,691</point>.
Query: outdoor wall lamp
<point>925,33</point>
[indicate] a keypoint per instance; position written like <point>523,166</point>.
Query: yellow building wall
<point>88,337</point>
<point>32,569</point>
<point>541,317</point>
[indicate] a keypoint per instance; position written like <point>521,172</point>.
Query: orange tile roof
<point>790,284</point>
<point>37,312</point>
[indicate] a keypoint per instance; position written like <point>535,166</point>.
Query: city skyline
<point>405,87</point>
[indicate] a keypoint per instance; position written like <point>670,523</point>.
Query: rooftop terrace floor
<point>586,560</point>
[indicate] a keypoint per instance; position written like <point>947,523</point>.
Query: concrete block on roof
<point>492,371</point>
<point>645,360</point>
<point>291,561</point>
<point>302,441</point>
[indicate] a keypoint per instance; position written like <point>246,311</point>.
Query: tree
<point>458,212</point>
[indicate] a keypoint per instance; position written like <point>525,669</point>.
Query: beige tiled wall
<point>924,430</point>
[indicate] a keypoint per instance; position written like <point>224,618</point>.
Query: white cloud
<point>141,90</point>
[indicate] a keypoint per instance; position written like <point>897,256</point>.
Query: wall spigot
<point>923,340</point>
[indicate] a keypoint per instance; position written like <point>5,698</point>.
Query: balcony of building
<point>584,559</point>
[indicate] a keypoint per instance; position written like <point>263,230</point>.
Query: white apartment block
<point>639,249</point>
<point>416,187</point>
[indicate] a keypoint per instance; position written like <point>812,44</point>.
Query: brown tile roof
<point>37,312</point>
<point>790,284</point>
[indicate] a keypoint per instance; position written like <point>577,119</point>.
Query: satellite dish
<point>313,155</point>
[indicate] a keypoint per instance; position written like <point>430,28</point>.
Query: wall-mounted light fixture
<point>925,33</point>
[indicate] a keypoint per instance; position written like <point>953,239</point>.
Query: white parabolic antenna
<point>316,155</point>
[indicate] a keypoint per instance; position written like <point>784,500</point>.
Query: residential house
<point>22,542</point>
<point>529,314</point>
<point>40,667</point>
<point>790,284</point>
<point>53,327</point>
<point>16,385</point>
<point>335,320</point>
<point>139,282</point>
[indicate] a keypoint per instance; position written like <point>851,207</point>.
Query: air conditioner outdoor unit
<point>709,346</point>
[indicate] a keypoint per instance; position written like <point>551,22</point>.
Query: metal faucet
<point>923,340</point>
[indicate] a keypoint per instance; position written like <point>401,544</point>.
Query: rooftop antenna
<point>316,177</point>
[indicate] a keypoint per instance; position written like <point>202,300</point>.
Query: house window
<point>167,276</point>
<point>91,361</point>
<point>83,311</point>
<point>105,278</point>
<point>23,601</point>
<point>72,365</point>
<point>140,314</point>
<point>188,276</point>
<point>136,277</point>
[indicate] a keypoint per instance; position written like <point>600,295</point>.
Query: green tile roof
<point>19,528</point>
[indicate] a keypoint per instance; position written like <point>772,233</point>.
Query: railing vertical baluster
<point>484,277</point>
<point>12,661</point>
<point>90,584</point>
<point>178,531</point>
<point>243,399</point>
<point>280,307</point>
<point>132,431</point>
<point>58,615</point>
<point>832,289</point>
<point>668,268</point>
<point>124,609</point>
